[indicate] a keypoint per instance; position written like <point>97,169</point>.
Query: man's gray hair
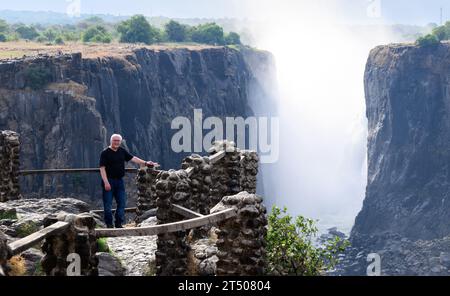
<point>115,135</point>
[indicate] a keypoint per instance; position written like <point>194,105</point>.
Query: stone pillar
<point>225,173</point>
<point>200,182</point>
<point>249,170</point>
<point>79,238</point>
<point>9,163</point>
<point>241,240</point>
<point>172,249</point>
<point>145,181</point>
<point>5,254</point>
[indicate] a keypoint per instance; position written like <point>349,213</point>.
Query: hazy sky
<point>392,11</point>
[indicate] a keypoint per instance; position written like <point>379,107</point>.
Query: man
<point>112,170</point>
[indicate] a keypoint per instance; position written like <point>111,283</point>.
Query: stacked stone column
<point>226,172</point>
<point>172,249</point>
<point>249,170</point>
<point>145,181</point>
<point>9,162</point>
<point>200,182</point>
<point>79,238</point>
<point>241,240</point>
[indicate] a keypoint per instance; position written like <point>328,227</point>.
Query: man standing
<point>112,170</point>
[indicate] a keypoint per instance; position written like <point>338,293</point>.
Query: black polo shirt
<point>114,162</point>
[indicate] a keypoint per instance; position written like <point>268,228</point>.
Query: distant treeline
<point>438,34</point>
<point>133,30</point>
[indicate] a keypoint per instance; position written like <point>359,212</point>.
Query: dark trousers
<point>118,192</point>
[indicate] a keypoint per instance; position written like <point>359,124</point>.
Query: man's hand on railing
<point>151,164</point>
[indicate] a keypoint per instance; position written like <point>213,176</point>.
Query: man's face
<point>115,142</point>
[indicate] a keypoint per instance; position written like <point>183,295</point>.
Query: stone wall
<point>9,164</point>
<point>172,249</point>
<point>241,240</point>
<point>79,238</point>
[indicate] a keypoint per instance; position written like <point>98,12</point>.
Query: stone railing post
<point>172,249</point>
<point>249,170</point>
<point>5,254</point>
<point>9,163</point>
<point>145,181</point>
<point>241,240</point>
<point>225,173</point>
<point>79,238</point>
<point>200,182</point>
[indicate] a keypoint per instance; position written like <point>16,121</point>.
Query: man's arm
<point>105,178</point>
<point>141,162</point>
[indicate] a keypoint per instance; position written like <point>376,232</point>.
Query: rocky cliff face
<point>83,101</point>
<point>408,191</point>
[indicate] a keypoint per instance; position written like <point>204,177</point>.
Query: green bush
<point>290,247</point>
<point>102,245</point>
<point>137,29</point>
<point>96,34</point>
<point>176,32</point>
<point>2,37</point>
<point>232,39</point>
<point>27,228</point>
<point>4,27</point>
<point>8,214</point>
<point>27,32</point>
<point>59,40</point>
<point>37,76</point>
<point>428,41</point>
<point>209,33</point>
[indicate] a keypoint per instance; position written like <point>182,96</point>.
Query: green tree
<point>137,29</point>
<point>59,40</point>
<point>290,247</point>
<point>175,31</point>
<point>209,33</point>
<point>49,34</point>
<point>232,38</point>
<point>27,32</point>
<point>4,27</point>
<point>429,40</point>
<point>441,33</point>
<point>96,34</point>
<point>2,37</point>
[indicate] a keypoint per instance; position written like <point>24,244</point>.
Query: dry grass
<point>17,266</point>
<point>71,86</point>
<point>18,49</point>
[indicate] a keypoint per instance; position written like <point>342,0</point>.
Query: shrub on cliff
<point>137,29</point>
<point>429,40</point>
<point>37,77</point>
<point>290,247</point>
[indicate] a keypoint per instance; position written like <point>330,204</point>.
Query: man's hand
<point>107,186</point>
<point>151,163</point>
